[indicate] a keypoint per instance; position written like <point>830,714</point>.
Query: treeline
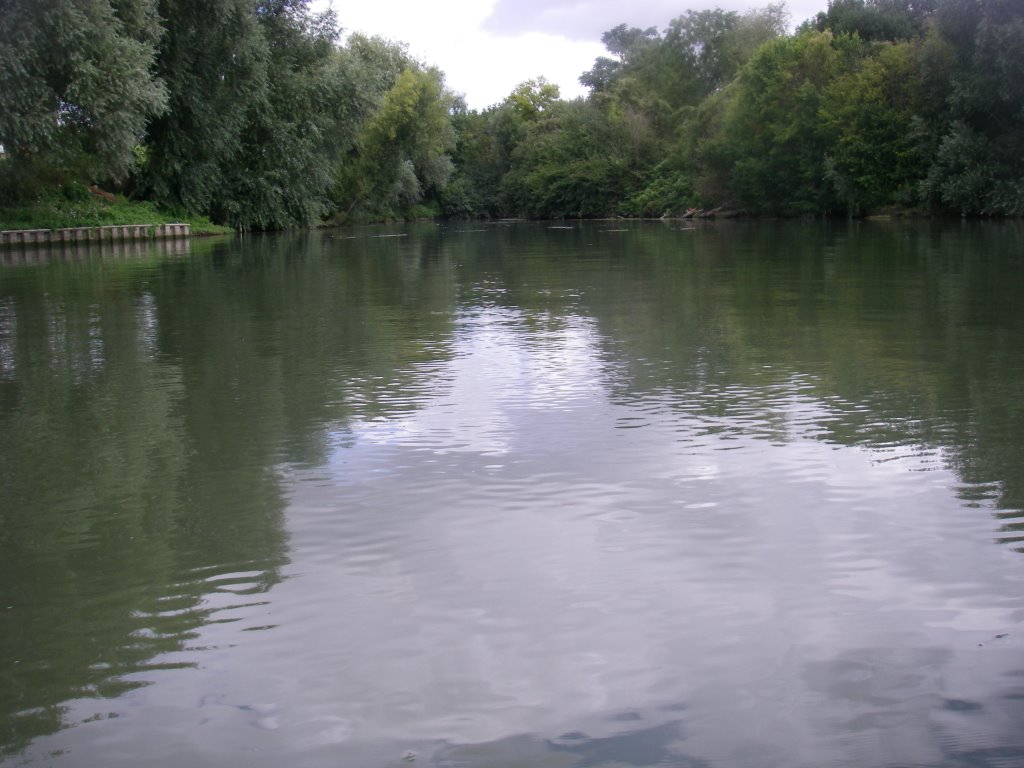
<point>253,113</point>
<point>874,104</point>
<point>247,111</point>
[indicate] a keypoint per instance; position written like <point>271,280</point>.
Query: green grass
<point>77,207</point>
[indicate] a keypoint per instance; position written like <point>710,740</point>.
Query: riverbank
<point>79,208</point>
<point>80,235</point>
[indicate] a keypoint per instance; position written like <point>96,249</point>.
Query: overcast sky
<point>487,47</point>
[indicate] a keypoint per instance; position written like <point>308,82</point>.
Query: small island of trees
<point>253,114</point>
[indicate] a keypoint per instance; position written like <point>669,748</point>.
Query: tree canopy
<point>260,115</point>
<point>77,85</point>
<point>870,105</point>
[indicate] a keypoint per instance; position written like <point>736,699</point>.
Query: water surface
<point>483,495</point>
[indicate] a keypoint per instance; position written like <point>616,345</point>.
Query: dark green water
<point>489,496</point>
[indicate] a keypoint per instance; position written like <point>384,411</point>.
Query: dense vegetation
<point>252,113</point>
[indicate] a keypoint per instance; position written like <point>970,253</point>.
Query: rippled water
<point>489,496</point>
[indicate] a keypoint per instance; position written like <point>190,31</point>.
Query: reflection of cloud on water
<point>501,360</point>
<point>527,568</point>
<point>819,602</point>
<point>800,598</point>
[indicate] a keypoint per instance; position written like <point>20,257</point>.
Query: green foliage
<point>699,40</point>
<point>480,160</point>
<point>77,88</point>
<point>667,191</point>
<point>213,59</point>
<point>971,174</point>
<point>459,200</point>
<point>772,139</point>
<point>873,103</point>
<point>563,168</point>
<point>258,107</point>
<point>281,175</point>
<point>73,205</point>
<point>529,99</point>
<point>869,111</point>
<point>378,63</point>
<point>755,28</point>
<point>401,155</point>
<point>252,113</point>
<point>650,91</point>
<point>627,44</point>
<point>876,20</point>
<point>978,162</point>
<point>699,53</point>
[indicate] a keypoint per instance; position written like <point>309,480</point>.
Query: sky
<point>487,47</point>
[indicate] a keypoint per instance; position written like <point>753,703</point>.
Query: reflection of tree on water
<point>909,335</point>
<point>145,412</point>
<point>900,340</point>
<point>144,408</point>
<point>109,545</point>
<point>146,249</point>
<point>637,744</point>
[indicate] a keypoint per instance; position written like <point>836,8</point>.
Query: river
<point>586,495</point>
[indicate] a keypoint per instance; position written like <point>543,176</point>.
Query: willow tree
<point>403,153</point>
<point>77,88</point>
<point>258,109</point>
<point>213,59</point>
<point>292,130</point>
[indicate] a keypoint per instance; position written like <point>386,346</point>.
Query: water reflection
<point>31,254</point>
<point>748,576</point>
<point>734,496</point>
<point>114,552</point>
<point>501,367</point>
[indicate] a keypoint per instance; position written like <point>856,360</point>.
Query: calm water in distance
<point>483,496</point>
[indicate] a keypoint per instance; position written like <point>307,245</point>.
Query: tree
<point>871,111</point>
<point>76,86</point>
<point>876,20</point>
<point>281,176</point>
<point>567,165</point>
<point>772,143</point>
<point>978,162</point>
<point>479,163</point>
<point>530,98</point>
<point>627,44</point>
<point>213,58</point>
<point>261,107</point>
<point>402,153</point>
<point>655,76</point>
<point>697,41</point>
<point>752,30</point>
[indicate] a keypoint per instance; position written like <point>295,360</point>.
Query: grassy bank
<point>76,206</point>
